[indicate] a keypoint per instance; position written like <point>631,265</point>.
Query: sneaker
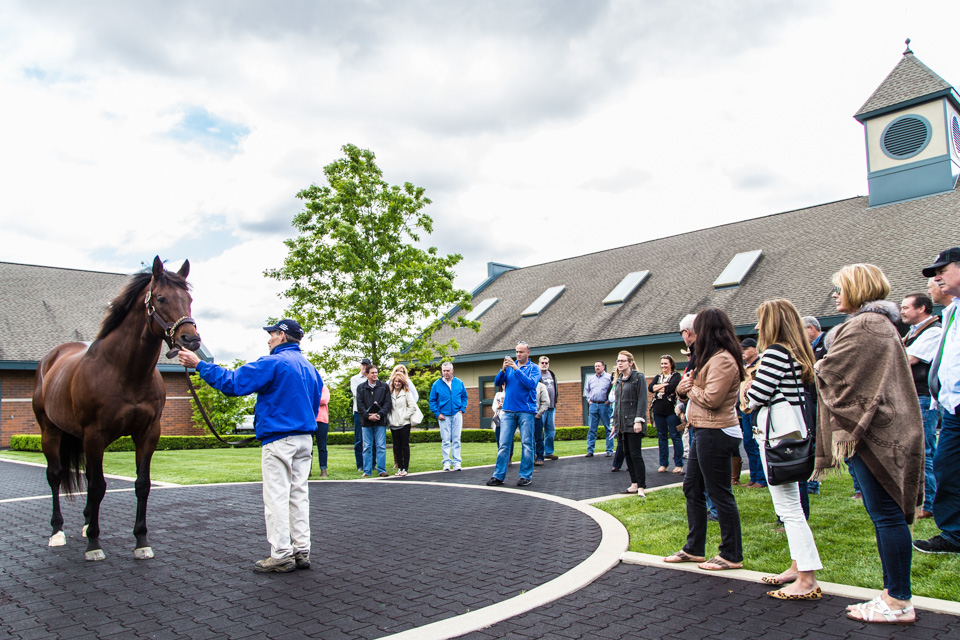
<point>550,456</point>
<point>457,469</point>
<point>936,544</point>
<point>609,454</point>
<point>366,475</point>
<point>523,482</point>
<point>589,455</point>
<point>446,467</point>
<point>538,463</point>
<point>712,518</point>
<point>272,565</point>
<point>494,482</point>
<point>302,559</point>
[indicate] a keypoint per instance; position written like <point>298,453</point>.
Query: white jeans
<point>450,429</point>
<point>786,502</point>
<point>285,465</point>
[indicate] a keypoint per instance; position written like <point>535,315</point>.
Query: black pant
<point>401,446</point>
<point>632,443</point>
<point>708,469</point>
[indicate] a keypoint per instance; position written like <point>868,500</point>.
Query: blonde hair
<point>400,372</point>
<point>861,283</point>
<point>616,371</point>
<point>779,323</point>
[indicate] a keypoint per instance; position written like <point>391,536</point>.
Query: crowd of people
<point>868,398</point>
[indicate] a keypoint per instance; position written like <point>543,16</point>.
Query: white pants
<point>285,465</point>
<point>786,502</point>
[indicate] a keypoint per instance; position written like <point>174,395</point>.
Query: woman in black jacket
<point>630,419</point>
<point>664,390</point>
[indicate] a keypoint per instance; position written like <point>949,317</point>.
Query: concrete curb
<point>614,541</point>
<point>829,588</point>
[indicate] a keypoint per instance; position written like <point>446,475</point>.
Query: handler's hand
<point>188,358</point>
<point>441,417</point>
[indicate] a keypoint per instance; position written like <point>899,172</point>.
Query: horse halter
<point>169,328</point>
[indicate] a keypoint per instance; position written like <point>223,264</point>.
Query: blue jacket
<point>520,387</point>
<point>448,400</point>
<point>288,391</point>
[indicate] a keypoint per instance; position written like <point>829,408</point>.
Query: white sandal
<point>871,612</point>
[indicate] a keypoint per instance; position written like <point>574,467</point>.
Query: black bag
<point>790,460</point>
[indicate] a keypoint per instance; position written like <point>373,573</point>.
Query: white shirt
<point>925,347</point>
<point>949,371</point>
<point>355,382</point>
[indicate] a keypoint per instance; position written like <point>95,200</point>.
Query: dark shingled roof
<point>910,79</point>
<point>802,249</point>
<point>41,307</point>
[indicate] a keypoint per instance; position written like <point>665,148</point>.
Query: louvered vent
<point>955,127</point>
<point>906,137</point>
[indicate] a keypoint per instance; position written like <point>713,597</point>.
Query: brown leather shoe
<point>923,513</point>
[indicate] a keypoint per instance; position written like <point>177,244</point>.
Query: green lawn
<point>841,527</point>
<point>657,524</point>
<point>243,465</point>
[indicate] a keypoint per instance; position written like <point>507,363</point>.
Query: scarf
<point>868,405</point>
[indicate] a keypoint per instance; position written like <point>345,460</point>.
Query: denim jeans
<point>619,456</point>
<point>358,439</point>
<point>666,431</point>
<point>549,430</point>
<point>894,541</point>
<point>450,430</point>
<point>321,435</point>
<point>709,469</point>
<point>510,421</point>
<point>374,438</point>
<point>930,419</point>
<point>752,449</point>
<point>537,438</point>
<point>946,504</point>
<point>599,413</point>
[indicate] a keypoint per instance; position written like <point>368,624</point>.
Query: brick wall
<point>16,410</point>
<point>471,417</point>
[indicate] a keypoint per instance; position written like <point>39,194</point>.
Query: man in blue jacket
<point>520,380</point>
<point>448,401</point>
<point>288,392</point>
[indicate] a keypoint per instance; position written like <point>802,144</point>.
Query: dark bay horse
<point>87,396</point>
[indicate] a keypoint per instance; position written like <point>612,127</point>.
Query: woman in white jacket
<point>403,409</point>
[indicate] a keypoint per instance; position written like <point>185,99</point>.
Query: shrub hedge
<point>169,443</point>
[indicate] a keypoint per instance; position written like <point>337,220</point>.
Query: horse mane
<point>120,306</point>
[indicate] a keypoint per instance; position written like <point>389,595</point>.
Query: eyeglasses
<point>836,290</point>
<point>622,360</point>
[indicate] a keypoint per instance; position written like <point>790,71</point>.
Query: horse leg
<point>50,444</point>
<point>145,447</point>
<point>96,488</point>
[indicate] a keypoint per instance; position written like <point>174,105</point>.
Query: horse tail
<point>72,462</point>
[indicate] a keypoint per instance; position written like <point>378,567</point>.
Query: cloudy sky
<point>540,129</point>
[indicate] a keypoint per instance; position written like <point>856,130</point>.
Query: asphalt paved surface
<point>388,556</point>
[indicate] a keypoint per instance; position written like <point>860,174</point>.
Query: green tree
<point>354,271</point>
<point>225,412</point>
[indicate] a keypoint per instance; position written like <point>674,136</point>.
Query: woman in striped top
<point>786,366</point>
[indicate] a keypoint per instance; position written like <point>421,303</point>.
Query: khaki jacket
<point>713,397</point>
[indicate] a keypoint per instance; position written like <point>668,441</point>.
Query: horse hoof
<point>83,532</point>
<point>57,540</point>
<point>95,555</point>
<point>143,553</point>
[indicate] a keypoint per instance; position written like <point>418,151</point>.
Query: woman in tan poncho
<point>869,415</point>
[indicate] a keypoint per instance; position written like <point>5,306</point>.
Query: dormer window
<point>627,286</point>
<point>541,303</point>
<point>481,309</point>
<point>737,270</point>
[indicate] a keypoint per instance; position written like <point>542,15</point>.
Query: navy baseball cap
<point>748,342</point>
<point>289,326</point>
<point>946,257</point>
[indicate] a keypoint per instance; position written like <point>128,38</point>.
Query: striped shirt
<point>773,375</point>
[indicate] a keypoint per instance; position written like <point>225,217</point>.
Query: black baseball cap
<point>946,257</point>
<point>748,342</point>
<point>289,326</point>
<point>366,361</point>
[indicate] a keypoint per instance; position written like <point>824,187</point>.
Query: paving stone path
<point>389,557</point>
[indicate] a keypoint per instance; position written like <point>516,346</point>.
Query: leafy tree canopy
<point>354,271</point>
<point>225,412</point>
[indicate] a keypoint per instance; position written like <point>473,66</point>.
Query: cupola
<point>912,129</point>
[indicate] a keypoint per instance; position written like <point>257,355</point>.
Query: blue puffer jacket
<point>288,391</point>
<point>520,387</point>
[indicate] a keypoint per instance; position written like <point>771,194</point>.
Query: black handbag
<point>790,460</point>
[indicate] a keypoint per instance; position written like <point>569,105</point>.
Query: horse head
<point>167,303</point>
